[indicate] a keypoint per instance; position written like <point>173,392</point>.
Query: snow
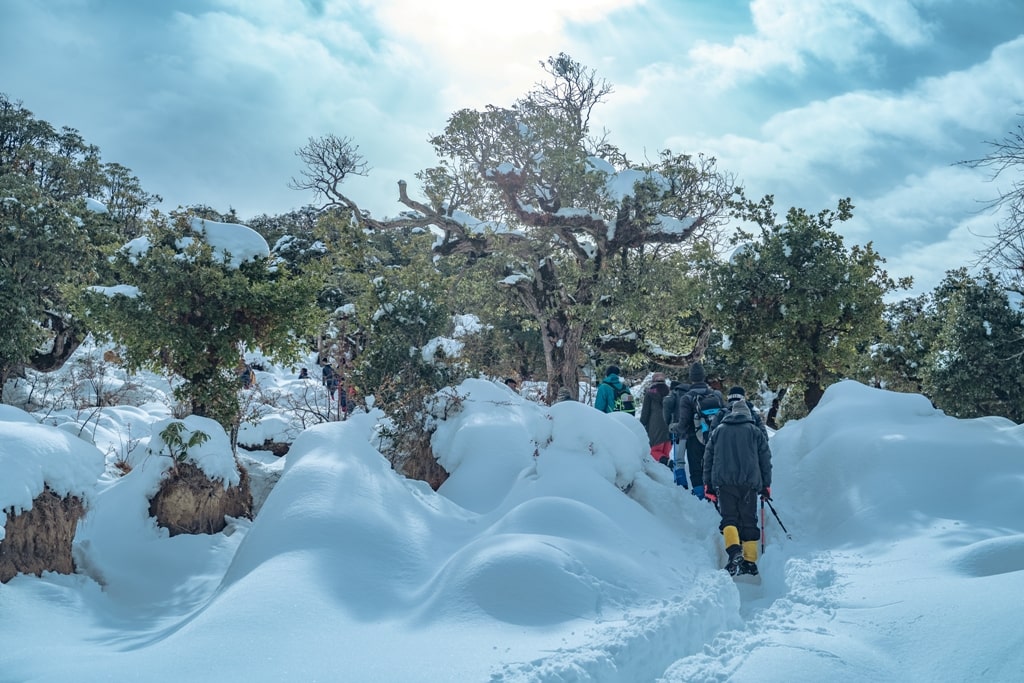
<point>129,291</point>
<point>240,242</point>
<point>557,550</point>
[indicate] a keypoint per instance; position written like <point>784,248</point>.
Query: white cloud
<point>788,33</point>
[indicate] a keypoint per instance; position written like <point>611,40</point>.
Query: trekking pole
<point>762,525</point>
<point>776,516</point>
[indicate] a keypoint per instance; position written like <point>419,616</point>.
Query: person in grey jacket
<point>738,394</point>
<point>738,466</point>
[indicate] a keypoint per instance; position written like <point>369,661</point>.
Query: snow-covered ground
<point>558,550</point>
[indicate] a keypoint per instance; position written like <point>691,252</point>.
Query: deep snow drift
<point>557,550</point>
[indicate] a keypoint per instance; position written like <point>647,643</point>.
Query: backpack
<point>705,407</point>
<point>623,399</point>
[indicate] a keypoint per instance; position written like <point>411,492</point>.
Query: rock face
<point>39,539</point>
<point>189,502</point>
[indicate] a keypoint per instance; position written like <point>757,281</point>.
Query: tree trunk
<point>562,344</point>
<point>813,392</point>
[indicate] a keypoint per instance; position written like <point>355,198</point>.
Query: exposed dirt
<point>39,539</point>
<point>188,502</point>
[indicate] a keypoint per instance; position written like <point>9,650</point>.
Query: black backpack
<point>623,399</point>
<point>705,407</point>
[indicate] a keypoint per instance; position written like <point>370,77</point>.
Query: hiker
<point>303,373</point>
<point>329,378</point>
<point>695,425</point>
<point>612,394</point>
<point>738,394</point>
<point>652,417</point>
<point>346,397</point>
<point>512,384</point>
<point>670,409</point>
<point>738,467</point>
<point>246,377</point>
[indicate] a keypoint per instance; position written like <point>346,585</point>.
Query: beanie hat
<point>736,394</point>
<point>697,373</point>
<point>740,408</point>
<point>658,377</point>
<point>612,370</point>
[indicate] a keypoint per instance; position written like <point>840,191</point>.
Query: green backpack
<point>623,399</point>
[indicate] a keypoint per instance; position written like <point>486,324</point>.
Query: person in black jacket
<point>689,421</point>
<point>738,466</point>
<point>670,409</point>
<point>652,417</point>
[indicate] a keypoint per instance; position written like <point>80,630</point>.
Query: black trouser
<point>738,507</point>
<point>695,460</point>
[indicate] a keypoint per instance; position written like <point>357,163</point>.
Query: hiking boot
<point>747,567</point>
<point>735,561</point>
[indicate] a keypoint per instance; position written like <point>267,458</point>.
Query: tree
<point>52,241</point>
<point>897,361</point>
<point>797,302</point>
<point>191,310</point>
<point>45,246</point>
<point>564,214</point>
<point>1006,250</point>
<point>976,367</point>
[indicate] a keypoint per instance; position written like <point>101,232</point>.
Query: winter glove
<point>665,461</point>
<point>711,496</point>
<point>766,493</point>
<point>698,491</point>
<point>680,476</point>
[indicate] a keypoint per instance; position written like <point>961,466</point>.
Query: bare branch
<point>329,161</point>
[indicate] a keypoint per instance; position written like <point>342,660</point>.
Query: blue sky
<point>810,100</point>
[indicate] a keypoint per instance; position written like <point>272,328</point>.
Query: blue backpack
<point>705,407</point>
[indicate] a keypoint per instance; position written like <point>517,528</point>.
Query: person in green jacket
<point>609,388</point>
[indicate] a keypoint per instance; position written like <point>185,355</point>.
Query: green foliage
<point>899,358</point>
<point>176,444</point>
<point>46,246</point>
<point>579,259</point>
<point>797,303</point>
<point>50,242</point>
<point>976,366</point>
<point>192,315</point>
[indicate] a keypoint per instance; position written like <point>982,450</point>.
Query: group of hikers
<point>720,441</point>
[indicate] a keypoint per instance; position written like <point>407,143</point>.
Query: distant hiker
<point>670,406</point>
<point>329,378</point>
<point>670,410</point>
<point>652,418</point>
<point>738,394</point>
<point>737,467</point>
<point>303,373</point>
<point>346,397</point>
<point>612,394</point>
<point>246,377</point>
<point>696,412</point>
<point>512,384</point>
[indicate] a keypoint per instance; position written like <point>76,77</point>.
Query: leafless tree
<point>329,160</point>
<point>1006,249</point>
